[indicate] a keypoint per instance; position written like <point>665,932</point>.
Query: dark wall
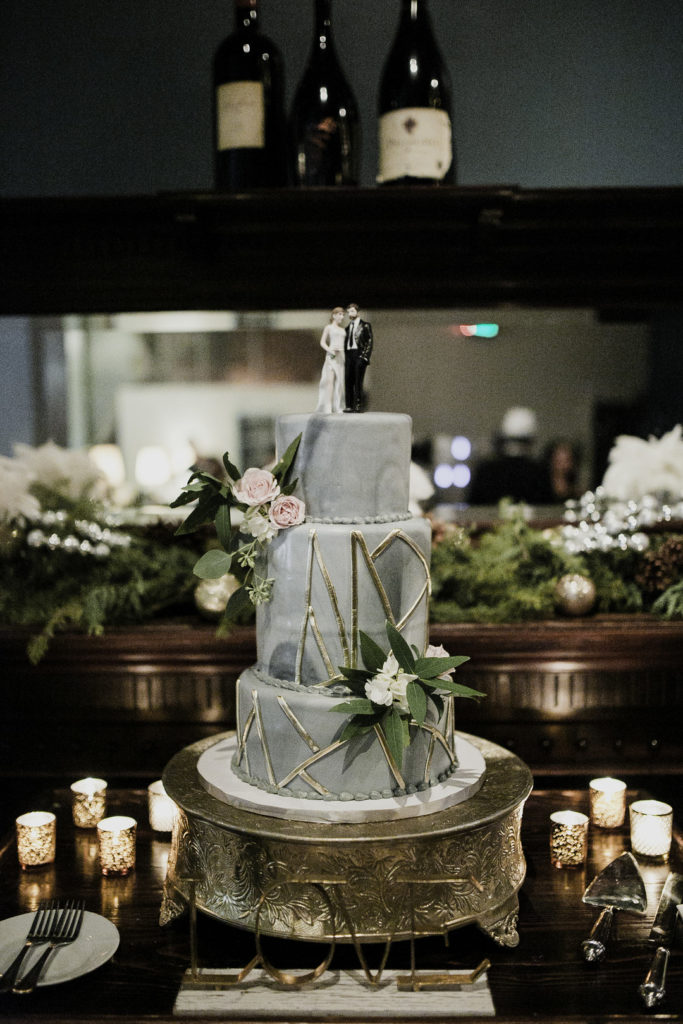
<point>113,96</point>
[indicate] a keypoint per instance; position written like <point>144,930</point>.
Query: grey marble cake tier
<point>350,467</point>
<point>288,743</point>
<point>331,581</point>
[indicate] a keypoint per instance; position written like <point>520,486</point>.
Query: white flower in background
<point>66,470</point>
<point>258,526</point>
<point>15,498</point>
<point>638,467</point>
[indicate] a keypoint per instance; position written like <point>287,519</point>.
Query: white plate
<point>97,942</point>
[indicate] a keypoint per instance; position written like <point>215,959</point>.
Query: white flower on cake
<point>258,526</point>
<point>395,691</point>
<point>257,487</point>
<point>389,685</point>
<point>267,505</point>
<point>638,467</point>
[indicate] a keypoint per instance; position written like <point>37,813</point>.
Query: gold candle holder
<point>116,837</point>
<point>607,802</point>
<point>568,839</point>
<point>36,839</point>
<point>88,801</point>
<point>161,807</point>
<point>651,829</point>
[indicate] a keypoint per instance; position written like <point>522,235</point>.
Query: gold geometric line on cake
<point>317,786</point>
<point>262,737</point>
<point>315,554</point>
<point>393,767</point>
<point>305,765</point>
<point>305,736</point>
<point>428,760</point>
<point>242,744</point>
<point>440,738</point>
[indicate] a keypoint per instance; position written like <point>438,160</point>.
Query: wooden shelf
<point>613,249</point>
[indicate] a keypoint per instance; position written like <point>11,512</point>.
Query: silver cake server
<point>619,886</point>
<point>663,933</point>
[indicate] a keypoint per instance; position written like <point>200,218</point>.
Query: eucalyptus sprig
<point>405,685</point>
<point>214,502</point>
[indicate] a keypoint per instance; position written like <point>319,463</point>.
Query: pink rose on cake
<point>256,487</point>
<point>286,511</point>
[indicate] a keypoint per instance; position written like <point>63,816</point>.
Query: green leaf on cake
<point>417,701</point>
<point>230,468</point>
<point>213,564</point>
<point>372,654</point>
<point>359,706</point>
<point>204,512</point>
<point>401,649</point>
<point>456,688</point>
<point>284,466</point>
<point>224,526</point>
<point>430,668</point>
<point>357,727</point>
<point>392,727</point>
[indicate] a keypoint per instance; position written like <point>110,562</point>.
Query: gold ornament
<point>575,594</point>
<point>211,596</point>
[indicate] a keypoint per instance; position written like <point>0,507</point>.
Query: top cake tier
<point>350,466</point>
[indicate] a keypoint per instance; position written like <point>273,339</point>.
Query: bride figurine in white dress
<point>331,391</point>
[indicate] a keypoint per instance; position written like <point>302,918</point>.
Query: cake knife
<point>663,933</point>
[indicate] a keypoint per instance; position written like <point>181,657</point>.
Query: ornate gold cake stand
<point>377,881</point>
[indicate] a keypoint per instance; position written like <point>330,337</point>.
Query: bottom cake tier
<point>288,743</point>
<point>357,881</point>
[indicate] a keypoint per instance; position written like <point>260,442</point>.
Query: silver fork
<point>38,933</point>
<point>65,928</point>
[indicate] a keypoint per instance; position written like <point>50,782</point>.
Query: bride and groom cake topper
<point>347,356</point>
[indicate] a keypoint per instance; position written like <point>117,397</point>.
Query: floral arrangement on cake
<point>70,559</point>
<point>267,505</point>
<point>397,687</point>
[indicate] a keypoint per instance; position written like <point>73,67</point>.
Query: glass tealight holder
<point>651,829</point>
<point>116,838</point>
<point>36,839</point>
<point>568,839</point>
<point>161,807</point>
<point>88,801</point>
<point>607,802</point>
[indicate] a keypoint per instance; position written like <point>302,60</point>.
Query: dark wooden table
<point>542,979</point>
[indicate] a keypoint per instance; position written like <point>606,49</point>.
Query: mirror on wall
<point>170,389</point>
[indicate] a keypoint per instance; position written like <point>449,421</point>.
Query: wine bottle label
<point>414,142</point>
<point>240,113</point>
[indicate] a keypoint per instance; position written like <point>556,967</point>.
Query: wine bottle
<point>249,121</point>
<point>415,124</point>
<point>324,123</point>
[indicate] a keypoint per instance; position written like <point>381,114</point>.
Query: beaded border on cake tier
<point>391,517</point>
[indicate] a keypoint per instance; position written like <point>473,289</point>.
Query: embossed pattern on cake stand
<point>380,881</point>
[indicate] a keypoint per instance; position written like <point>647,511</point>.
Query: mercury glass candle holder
<point>36,839</point>
<point>116,838</point>
<point>161,807</point>
<point>651,829</point>
<point>88,801</point>
<point>607,802</point>
<point>568,839</point>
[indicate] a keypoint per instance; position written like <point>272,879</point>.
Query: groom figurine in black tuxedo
<point>357,352</point>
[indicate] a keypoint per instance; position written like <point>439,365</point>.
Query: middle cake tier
<point>333,580</point>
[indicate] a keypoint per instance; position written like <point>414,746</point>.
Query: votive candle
<point>88,801</point>
<point>36,838</point>
<point>651,829</point>
<point>116,838</point>
<point>161,807</point>
<point>607,802</point>
<point>568,838</point>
